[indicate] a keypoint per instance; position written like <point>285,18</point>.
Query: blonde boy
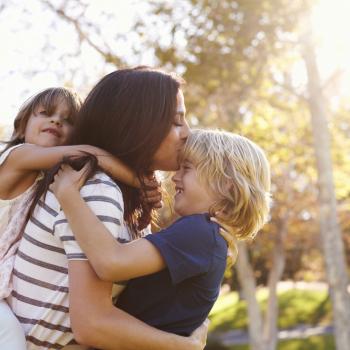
<point>176,273</point>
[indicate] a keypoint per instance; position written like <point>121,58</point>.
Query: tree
<point>329,224</point>
<point>237,57</point>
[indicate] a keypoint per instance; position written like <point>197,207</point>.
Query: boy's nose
<point>175,177</point>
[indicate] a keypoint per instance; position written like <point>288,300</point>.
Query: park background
<point>276,71</point>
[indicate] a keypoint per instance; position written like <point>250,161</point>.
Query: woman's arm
<point>94,320</point>
<point>110,327</point>
<point>34,158</point>
<point>111,260</point>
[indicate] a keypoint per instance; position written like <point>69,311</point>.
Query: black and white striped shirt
<point>40,295</point>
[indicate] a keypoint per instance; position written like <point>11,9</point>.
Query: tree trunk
<point>330,231</point>
<point>248,285</point>
<point>270,335</point>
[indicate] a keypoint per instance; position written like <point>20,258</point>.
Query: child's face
<point>191,197</point>
<point>49,131</point>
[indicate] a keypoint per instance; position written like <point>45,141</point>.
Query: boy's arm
<point>34,158</point>
<point>96,322</point>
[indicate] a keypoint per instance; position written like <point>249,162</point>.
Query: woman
<point>137,115</point>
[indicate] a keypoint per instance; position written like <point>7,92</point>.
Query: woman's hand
<point>67,180</point>
<point>225,231</point>
<point>199,336</point>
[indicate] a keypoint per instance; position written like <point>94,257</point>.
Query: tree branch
<point>83,36</point>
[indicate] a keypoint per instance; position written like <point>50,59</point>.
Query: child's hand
<point>67,180</point>
<point>152,192</point>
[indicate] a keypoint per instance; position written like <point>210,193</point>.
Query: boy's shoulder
<point>201,229</point>
<point>195,219</point>
<point>195,226</point>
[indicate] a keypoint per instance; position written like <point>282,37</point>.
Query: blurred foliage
<point>296,307</point>
<point>238,59</point>
<point>313,343</point>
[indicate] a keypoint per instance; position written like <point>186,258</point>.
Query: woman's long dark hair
<point>128,113</point>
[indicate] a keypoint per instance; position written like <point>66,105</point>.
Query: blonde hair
<point>48,99</point>
<point>236,170</point>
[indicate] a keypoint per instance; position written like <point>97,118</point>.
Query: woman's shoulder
<point>102,185</point>
<point>102,179</point>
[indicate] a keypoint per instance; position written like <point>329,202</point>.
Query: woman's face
<point>166,157</point>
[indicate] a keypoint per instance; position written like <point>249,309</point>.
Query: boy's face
<point>191,197</point>
<point>49,131</point>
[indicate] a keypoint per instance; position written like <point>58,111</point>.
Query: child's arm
<point>34,158</point>
<point>111,260</point>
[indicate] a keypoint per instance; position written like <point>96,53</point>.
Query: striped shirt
<point>40,279</point>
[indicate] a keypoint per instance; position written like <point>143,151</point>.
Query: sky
<point>33,41</point>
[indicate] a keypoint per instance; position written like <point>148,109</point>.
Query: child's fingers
<point>67,176</point>
<point>152,199</point>
<point>151,186</point>
<point>155,201</point>
<point>151,182</point>
<point>151,193</point>
<point>156,205</point>
<point>85,170</point>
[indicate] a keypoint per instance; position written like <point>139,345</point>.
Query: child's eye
<point>43,112</point>
<point>68,120</point>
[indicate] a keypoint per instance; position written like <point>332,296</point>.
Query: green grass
<point>295,307</point>
<point>312,343</point>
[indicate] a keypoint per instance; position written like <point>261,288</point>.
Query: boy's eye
<point>43,112</point>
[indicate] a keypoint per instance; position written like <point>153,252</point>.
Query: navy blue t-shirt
<point>179,298</point>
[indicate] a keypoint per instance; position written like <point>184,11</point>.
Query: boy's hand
<point>67,180</point>
<point>152,192</point>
